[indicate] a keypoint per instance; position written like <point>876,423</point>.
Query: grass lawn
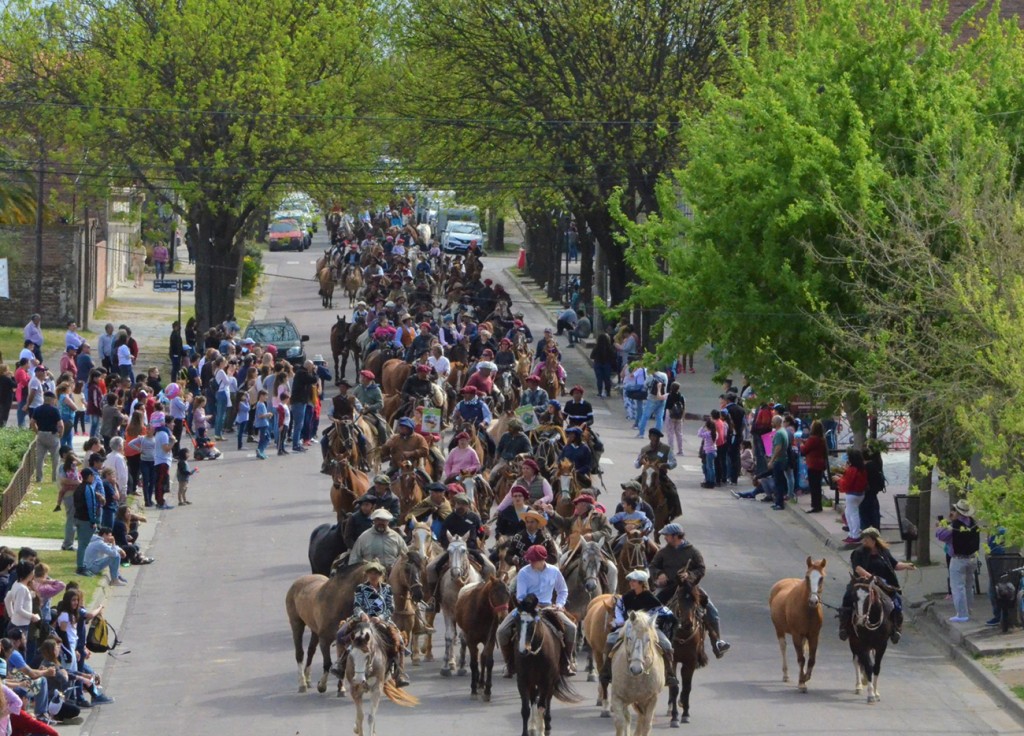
<point>12,340</point>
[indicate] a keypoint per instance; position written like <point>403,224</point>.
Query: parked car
<point>286,235</point>
<point>282,334</point>
<point>459,234</point>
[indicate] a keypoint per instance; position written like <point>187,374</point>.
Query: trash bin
<point>907,509</point>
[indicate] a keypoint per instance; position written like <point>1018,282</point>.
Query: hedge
<point>14,443</point>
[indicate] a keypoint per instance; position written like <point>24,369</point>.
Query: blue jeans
<point>21,414</point>
<point>240,426</point>
<point>69,432</point>
<point>85,530</point>
<point>111,565</point>
<point>148,479</point>
<point>655,409</point>
<point>781,486</point>
<point>94,426</point>
<point>264,433</point>
<point>161,269</point>
<point>220,414</point>
<point>298,421</point>
<point>709,468</point>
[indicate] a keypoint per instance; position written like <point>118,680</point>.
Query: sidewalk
<point>993,660</point>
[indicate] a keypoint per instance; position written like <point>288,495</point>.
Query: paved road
<point>211,652</point>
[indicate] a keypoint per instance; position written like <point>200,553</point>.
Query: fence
<point>19,485</point>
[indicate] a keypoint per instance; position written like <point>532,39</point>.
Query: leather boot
<point>844,625</point>
<point>420,626</point>
<point>897,627</point>
<point>670,669</point>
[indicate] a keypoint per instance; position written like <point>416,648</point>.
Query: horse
<point>870,627</point>
<point>460,573</point>
<point>538,657</point>
<point>597,623</point>
<point>687,645</point>
<point>339,346</point>
<point>506,477</point>
<point>795,605</point>
<point>352,278</point>
<point>423,542</point>
<point>326,291</point>
<point>636,554</point>
<point>588,574</point>
<point>408,486</point>
<point>566,487</point>
<point>638,674</point>
<point>393,374</point>
<point>478,490</point>
<point>321,603</point>
<point>366,672</point>
<point>348,484</point>
<point>479,609</point>
<point>547,448</point>
<point>650,491</point>
<point>549,380</point>
<point>406,581</point>
<point>507,384</point>
<point>326,543</point>
<point>344,443</point>
<point>356,331</point>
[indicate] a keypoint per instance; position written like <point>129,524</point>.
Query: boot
<point>510,662</point>
<point>897,627</point>
<point>718,645</point>
<point>420,627</point>
<point>844,625</point>
<point>568,663</point>
<point>670,669</point>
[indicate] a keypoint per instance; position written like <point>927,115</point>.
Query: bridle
<point>862,618</point>
<point>458,555</point>
<point>636,553</point>
<point>638,645</point>
<point>526,620</point>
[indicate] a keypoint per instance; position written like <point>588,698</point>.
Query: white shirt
<point>116,461</point>
<point>37,397</point>
<point>124,355</point>
<point>26,353</point>
<point>547,585</point>
<point>19,604</point>
<point>73,340</point>
<point>441,365</point>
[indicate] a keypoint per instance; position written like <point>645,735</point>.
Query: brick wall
<point>61,287</point>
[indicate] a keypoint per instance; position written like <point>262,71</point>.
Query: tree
<point>217,100</point>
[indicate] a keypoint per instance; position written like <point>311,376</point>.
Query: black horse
<point>538,657</point>
<point>325,544</point>
<point>870,628</point>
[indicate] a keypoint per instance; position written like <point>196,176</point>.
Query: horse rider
<point>534,395</point>
<point>342,408</point>
<point>360,312</point>
<point>578,454</point>
<point>533,533</point>
<point>586,520</point>
<point>510,519</point>
<point>505,359</point>
<point>533,481</point>
<point>579,413</point>
<point>405,445</point>
<point>375,602</point>
<point>463,522</point>
<point>433,509</point>
<point>660,454</point>
<point>421,343</point>
<point>512,444</point>
<point>475,412</point>
<point>441,366</point>
<point>629,518</point>
<point>461,459</point>
<point>379,542</point>
<point>676,556</point>
<point>386,498</point>
<point>417,389</point>
<point>631,490</point>
<point>872,559</point>
<point>640,598</point>
<point>359,520</point>
<point>369,396</point>
<point>551,362</point>
<point>546,582</point>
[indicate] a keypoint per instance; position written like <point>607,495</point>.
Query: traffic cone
<point>521,263</point>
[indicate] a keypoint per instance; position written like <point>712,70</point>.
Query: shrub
<point>13,444</point>
<point>252,269</point>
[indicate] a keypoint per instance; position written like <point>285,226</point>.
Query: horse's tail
<point>565,692</point>
<point>398,696</point>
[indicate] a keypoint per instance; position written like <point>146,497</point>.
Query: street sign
<point>165,286</point>
<point>187,284</point>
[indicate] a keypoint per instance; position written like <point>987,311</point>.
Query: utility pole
<point>39,227</point>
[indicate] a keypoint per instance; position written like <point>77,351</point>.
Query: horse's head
<point>591,564</point>
<point>815,580</point>
<point>498,597</point>
<point>458,556</point>
<point>638,636</point>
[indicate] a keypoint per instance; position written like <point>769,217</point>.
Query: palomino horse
<point>506,477</point>
<point>348,484</point>
<point>549,380</point>
<point>475,442</point>
<point>406,581</point>
<point>423,542</point>
<point>870,627</point>
<point>566,487</point>
<point>479,609</point>
<point>651,480</point>
<point>687,645</point>
<point>636,553</point>
<point>321,603</point>
<point>638,675</point>
<point>796,610</point>
<point>596,625</point>
<point>538,658</point>
<point>352,278</point>
<point>326,292</point>
<point>366,671</point>
<point>460,573</point>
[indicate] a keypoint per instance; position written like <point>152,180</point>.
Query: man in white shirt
<point>441,365</point>
<point>106,346</point>
<point>71,338</point>
<point>34,333</point>
<point>35,389</point>
<point>546,582</point>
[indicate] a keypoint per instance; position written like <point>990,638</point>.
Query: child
<point>284,417</point>
<point>261,423</point>
<point>78,396</point>
<point>747,462</point>
<point>241,415</point>
<point>709,449</point>
<point>200,420</point>
<point>184,473</point>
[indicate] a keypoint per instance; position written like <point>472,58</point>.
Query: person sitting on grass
<point>102,554</point>
<point>126,535</point>
<point>71,621</point>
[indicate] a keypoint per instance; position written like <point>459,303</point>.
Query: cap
<point>519,491</point>
<point>469,390</point>
<point>423,368</point>
<point>639,575</point>
<point>462,436</point>
<point>318,358</point>
<point>343,382</point>
<point>425,326</point>
<point>515,424</point>
<point>407,423</point>
<point>574,430</point>
<point>536,553</point>
<point>655,431</point>
<point>536,516</point>
<point>381,514</point>
<point>367,374</point>
<point>518,323</point>
<point>248,341</point>
<point>576,388</point>
<point>532,464</point>
<point>462,498</point>
<point>488,282</point>
<point>533,379</point>
<point>366,498</point>
<point>383,479</point>
<point>436,488</point>
<point>583,498</point>
<point>673,529</point>
<point>373,565</point>
<point>631,485</point>
<point>455,488</point>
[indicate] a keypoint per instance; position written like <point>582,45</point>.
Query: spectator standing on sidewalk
<point>106,347</point>
<point>815,454</point>
<point>87,515</point>
<point>70,478</point>
<point>175,349</point>
<point>675,408</point>
<point>48,426</point>
<point>964,539</point>
<point>161,459</point>
<point>605,360</point>
<point>160,260</point>
<point>302,397</point>
<point>8,390</point>
<point>33,332</point>
<point>139,264</point>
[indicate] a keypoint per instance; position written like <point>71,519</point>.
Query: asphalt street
<point>211,651</point>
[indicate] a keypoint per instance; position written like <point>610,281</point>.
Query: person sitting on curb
<point>103,554</point>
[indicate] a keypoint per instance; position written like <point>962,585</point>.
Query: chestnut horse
<point>796,610</point>
<point>479,609</point>
<point>348,484</point>
<point>596,626</point>
<point>687,645</point>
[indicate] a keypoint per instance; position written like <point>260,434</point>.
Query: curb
<point>953,643</point>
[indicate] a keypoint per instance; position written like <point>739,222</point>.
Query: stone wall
<point>62,258</point>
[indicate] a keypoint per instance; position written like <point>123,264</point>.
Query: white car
<point>459,234</point>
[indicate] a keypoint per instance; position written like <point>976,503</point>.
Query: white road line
<point>602,412</point>
<point>607,461</point>
<point>293,263</point>
<point>691,468</point>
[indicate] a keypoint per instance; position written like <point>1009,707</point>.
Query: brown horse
<point>506,477</point>
<point>796,610</point>
<point>538,657</point>
<point>348,484</point>
<point>352,278</point>
<point>651,479</point>
<point>687,645</point>
<point>321,603</point>
<point>549,380</point>
<point>596,626</point>
<point>406,581</point>
<point>393,374</point>
<point>339,346</point>
<point>566,487</point>
<point>475,442</point>
<point>344,443</point>
<point>479,609</point>
<point>326,292</point>
<point>408,486</point>
<point>636,553</point>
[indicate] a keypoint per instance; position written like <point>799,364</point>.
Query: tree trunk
<point>922,482</point>
<point>216,272</point>
<point>858,419</point>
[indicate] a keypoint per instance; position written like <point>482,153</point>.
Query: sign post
<point>178,285</point>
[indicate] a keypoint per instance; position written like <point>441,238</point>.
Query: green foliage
<point>13,445</point>
<point>252,269</point>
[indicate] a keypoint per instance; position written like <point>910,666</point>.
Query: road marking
<point>312,263</point>
<point>691,468</point>
<point>293,263</point>
<point>607,461</point>
<point>602,412</point>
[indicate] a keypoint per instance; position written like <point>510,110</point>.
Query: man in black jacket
<point>302,396</point>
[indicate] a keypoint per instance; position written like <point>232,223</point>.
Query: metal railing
<point>19,485</point>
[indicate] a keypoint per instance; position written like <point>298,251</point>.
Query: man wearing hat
<point>386,499</point>
<point>534,532</point>
<point>433,509</point>
<point>417,389</point>
<point>463,522</point>
<point>631,490</point>
<point>670,561</point>
<point>370,398</point>
<point>512,444</point>
<point>534,395</point>
<point>962,535</point>
<point>359,520</point>
<point>545,581</point>
<point>510,519</point>
<point>421,343</point>
<point>404,445</point>
<point>380,542</point>
<point>660,455</point>
<point>586,521</point>
<point>578,454</point>
<point>640,598</point>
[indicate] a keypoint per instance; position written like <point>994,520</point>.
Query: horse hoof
<point>321,688</point>
<point>591,677</point>
<point>802,687</point>
<point>463,672</point>
<point>474,696</point>
<point>606,714</point>
<point>674,723</point>
<point>686,719</point>
<point>428,658</point>
<point>486,698</point>
<point>599,703</point>
<point>785,678</point>
<point>446,672</point>
<point>415,663</point>
<point>302,688</point>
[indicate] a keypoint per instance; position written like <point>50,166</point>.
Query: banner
<point>5,289</point>
<point>528,417</point>
<point>431,420</point>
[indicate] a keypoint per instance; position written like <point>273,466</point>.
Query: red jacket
<point>815,453</point>
<point>854,481</point>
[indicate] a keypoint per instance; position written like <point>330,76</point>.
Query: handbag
<point>636,393</point>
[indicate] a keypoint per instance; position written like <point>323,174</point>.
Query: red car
<point>286,235</point>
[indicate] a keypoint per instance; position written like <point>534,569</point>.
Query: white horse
<point>460,574</point>
<point>638,675</point>
<point>366,669</point>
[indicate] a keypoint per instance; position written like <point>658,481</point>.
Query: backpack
<point>101,636</point>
